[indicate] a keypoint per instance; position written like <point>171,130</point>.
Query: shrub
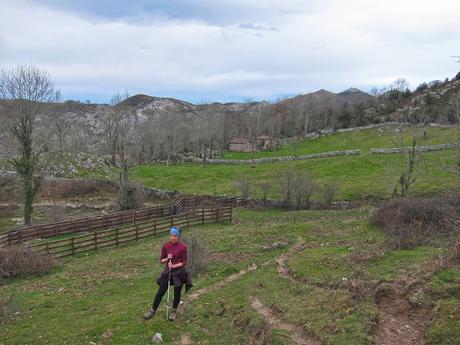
<point>329,193</point>
<point>243,183</point>
<point>18,260</point>
<point>410,222</point>
<point>73,188</point>
<point>198,254</point>
<point>287,181</point>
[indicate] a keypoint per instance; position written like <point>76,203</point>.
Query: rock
<point>157,338</point>
<point>275,245</point>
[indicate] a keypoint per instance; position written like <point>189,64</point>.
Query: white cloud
<point>276,47</point>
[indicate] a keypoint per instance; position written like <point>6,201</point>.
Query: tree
<point>27,90</point>
<point>408,170</point>
<point>124,143</point>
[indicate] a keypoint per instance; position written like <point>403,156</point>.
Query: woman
<point>174,256</point>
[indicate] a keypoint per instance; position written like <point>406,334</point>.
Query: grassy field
<point>358,177</point>
<point>362,139</point>
<point>100,298</point>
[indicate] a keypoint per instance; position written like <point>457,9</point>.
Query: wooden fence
<point>179,204</point>
<point>119,235</point>
<point>85,224</point>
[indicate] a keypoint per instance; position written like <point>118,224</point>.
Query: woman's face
<point>174,238</point>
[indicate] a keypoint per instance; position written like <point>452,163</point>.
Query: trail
<point>296,333</point>
<point>400,322</point>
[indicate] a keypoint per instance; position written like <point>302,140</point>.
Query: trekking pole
<point>167,297</point>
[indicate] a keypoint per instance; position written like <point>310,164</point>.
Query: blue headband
<point>174,231</point>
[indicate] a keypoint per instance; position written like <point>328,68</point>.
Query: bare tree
<point>243,183</point>
<point>287,180</point>
<point>265,187</point>
<point>124,142</point>
<point>27,90</point>
<point>408,171</point>
<point>304,188</point>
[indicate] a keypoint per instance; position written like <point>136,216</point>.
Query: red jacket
<point>179,252</point>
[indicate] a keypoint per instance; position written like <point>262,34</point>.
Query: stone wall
<point>280,159</point>
<point>419,149</point>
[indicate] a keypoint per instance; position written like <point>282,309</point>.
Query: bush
<point>17,260</point>
<point>73,188</point>
<point>243,183</point>
<point>197,255</point>
<point>329,193</point>
<point>410,222</point>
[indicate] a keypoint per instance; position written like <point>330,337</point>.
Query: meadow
<point>100,298</point>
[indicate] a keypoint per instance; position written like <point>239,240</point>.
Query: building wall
<point>241,147</point>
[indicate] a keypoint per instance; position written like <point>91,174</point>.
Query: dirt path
<point>281,260</point>
<point>296,333</point>
<point>400,322</point>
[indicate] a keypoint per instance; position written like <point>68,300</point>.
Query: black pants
<point>162,290</point>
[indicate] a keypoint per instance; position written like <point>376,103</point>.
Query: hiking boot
<point>172,314</point>
<point>148,315</point>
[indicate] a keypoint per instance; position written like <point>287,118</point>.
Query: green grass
<point>363,140</point>
<point>358,177</point>
<point>6,223</point>
<point>100,297</point>
<point>443,292</point>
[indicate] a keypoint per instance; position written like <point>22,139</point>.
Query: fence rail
<point>180,204</point>
<point>119,235</point>
<point>85,225</point>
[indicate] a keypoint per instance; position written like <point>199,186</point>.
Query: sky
<point>229,50</point>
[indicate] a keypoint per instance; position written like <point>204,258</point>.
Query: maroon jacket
<point>179,252</point>
<point>179,275</point>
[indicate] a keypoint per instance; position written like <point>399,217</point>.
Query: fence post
<point>134,217</point>
<point>95,241</point>
<point>155,226</point>
<point>47,248</point>
<point>231,215</point>
<point>172,220</point>
<point>73,245</point>
<point>137,231</point>
<point>9,238</point>
<point>116,236</point>
<point>202,215</point>
<point>188,219</point>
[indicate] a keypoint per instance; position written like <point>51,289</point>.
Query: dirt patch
<point>281,260</point>
<point>295,333</point>
<point>185,340</point>
<point>399,321</point>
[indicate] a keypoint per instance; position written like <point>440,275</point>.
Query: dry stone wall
<point>419,149</point>
<point>280,159</point>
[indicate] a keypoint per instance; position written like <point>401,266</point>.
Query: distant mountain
<point>322,99</point>
<point>76,127</point>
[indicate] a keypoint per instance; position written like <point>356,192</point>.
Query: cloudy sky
<point>229,50</point>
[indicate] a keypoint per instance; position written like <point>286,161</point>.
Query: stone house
<point>242,145</point>
<point>260,143</point>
